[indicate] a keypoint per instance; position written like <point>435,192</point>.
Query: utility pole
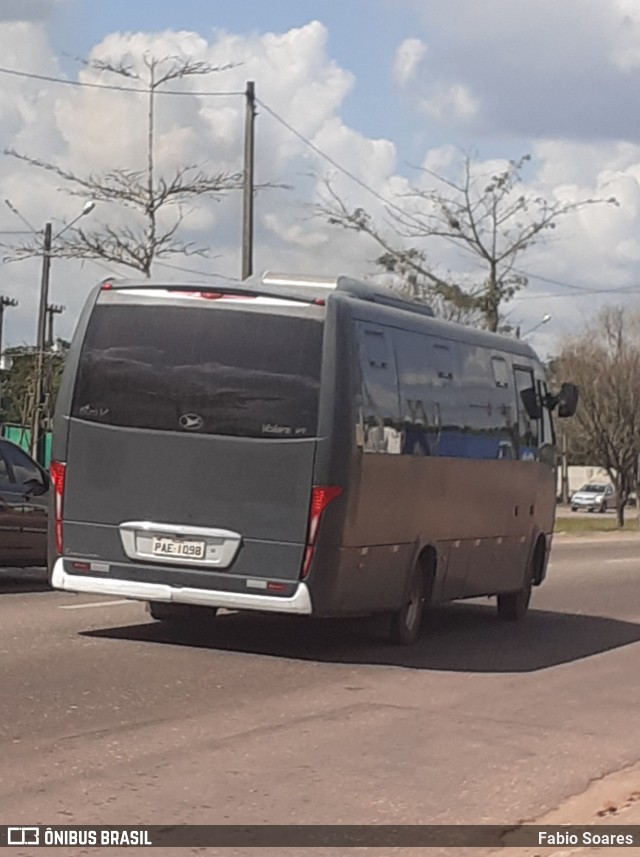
<point>52,309</point>
<point>36,429</point>
<point>247,188</point>
<point>4,303</point>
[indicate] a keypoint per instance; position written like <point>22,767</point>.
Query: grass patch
<point>595,524</point>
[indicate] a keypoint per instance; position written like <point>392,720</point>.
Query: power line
<point>574,286</point>
<point>335,163</point>
<point>585,291</point>
<point>194,271</point>
<point>627,290</point>
<point>112,86</point>
<point>104,267</point>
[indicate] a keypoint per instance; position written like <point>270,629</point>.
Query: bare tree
<point>136,244</point>
<point>489,218</point>
<point>604,362</point>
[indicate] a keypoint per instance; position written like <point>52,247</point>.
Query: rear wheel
<point>179,613</point>
<point>406,622</point>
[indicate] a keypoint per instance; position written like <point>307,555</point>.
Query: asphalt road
<point>109,718</point>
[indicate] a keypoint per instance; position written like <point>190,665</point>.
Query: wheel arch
<point>426,558</point>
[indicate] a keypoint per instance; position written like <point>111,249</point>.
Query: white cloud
<point>543,69</point>
<point>454,102</point>
<point>93,130</point>
<point>407,59</point>
<point>498,72</point>
<point>625,51</point>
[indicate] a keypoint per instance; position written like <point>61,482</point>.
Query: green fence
<point>22,436</point>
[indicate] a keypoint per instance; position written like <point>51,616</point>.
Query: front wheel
<point>406,622</point>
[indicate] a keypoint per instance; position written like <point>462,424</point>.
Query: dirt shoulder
<point>613,800</point>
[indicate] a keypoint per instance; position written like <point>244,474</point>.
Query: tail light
<point>58,472</point>
<point>321,496</point>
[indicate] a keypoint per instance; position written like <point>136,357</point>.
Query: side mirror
<point>531,403</point>
<point>567,400</point>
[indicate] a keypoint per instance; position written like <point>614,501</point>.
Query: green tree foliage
<point>604,361</point>
<point>18,384</point>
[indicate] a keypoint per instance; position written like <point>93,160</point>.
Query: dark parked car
<point>24,502</point>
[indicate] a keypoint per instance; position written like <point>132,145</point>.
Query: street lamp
<point>42,323</point>
<point>52,310</point>
<point>545,318</point>
<point>87,208</point>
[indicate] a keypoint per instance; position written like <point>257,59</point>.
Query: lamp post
<point>36,433</point>
<point>545,318</point>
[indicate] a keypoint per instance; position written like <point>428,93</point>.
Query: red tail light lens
<point>58,473</point>
<point>321,496</point>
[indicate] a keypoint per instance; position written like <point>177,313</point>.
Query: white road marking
<point>97,604</point>
<point>623,559</point>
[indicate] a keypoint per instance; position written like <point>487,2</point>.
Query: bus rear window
<point>200,370</point>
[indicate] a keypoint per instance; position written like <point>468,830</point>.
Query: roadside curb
<point>610,800</point>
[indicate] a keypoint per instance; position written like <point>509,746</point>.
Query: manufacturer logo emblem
<point>191,422</point>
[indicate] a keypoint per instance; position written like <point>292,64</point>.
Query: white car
<point>594,497</point>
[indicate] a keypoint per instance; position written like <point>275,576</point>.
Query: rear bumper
<point>299,603</point>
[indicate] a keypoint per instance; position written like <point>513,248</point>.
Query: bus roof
<point>317,290</point>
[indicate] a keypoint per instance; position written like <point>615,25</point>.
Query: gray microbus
<point>301,446</point>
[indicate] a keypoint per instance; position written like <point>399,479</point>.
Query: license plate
<point>182,548</point>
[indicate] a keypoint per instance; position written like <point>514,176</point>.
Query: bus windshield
<point>206,370</point>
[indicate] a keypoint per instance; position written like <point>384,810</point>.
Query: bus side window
<point>500,372</point>
<point>548,440</point>
<point>548,432</point>
<point>443,363</point>
<point>528,428</point>
<point>380,410</point>
<point>416,381</point>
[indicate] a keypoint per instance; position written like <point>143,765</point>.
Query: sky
<point>366,93</point>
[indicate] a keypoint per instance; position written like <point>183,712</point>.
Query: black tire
<point>406,622</point>
<point>574,508</point>
<point>179,613</point>
<point>513,606</point>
